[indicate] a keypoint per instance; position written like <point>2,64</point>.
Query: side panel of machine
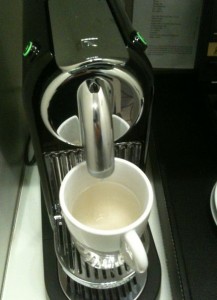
<point>12,125</point>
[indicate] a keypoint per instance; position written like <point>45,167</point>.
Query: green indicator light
<point>27,49</point>
<point>141,38</point>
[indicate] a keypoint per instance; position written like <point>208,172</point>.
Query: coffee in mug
<point>106,205</point>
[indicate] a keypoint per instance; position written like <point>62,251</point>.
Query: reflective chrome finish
<point>75,291</point>
<point>59,109</point>
<point>80,271</point>
<point>94,98</point>
<point>91,61</point>
<point>58,165</point>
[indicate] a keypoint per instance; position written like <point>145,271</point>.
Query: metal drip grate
<point>75,291</point>
<point>80,281</point>
<point>80,271</point>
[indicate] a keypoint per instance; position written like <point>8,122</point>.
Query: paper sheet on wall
<point>170,28</point>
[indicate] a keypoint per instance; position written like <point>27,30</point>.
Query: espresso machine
<point>88,90</point>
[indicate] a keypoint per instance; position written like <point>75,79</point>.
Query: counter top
<point>24,274</point>
<point>185,138</point>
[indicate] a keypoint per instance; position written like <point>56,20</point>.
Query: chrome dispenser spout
<point>94,109</point>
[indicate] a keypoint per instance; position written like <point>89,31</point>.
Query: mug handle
<point>134,252</point>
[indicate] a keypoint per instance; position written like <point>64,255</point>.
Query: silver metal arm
<point>94,97</point>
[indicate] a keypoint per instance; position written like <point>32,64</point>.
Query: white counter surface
<point>24,278</point>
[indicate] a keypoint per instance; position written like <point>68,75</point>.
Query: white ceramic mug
<point>108,248</point>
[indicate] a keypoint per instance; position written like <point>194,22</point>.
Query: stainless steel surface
<point>12,129</point>
<point>59,109</point>
<point>94,98</point>
<point>213,203</point>
<point>58,165</point>
<point>87,34</point>
<point>91,61</point>
<point>78,270</point>
<point>75,291</point>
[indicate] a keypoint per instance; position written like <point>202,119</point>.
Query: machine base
<point>55,277</point>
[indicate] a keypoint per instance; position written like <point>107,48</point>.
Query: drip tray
<point>130,290</point>
<point>80,271</point>
<point>141,286</point>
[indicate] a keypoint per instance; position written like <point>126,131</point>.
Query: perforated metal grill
<point>75,291</point>
<point>78,270</point>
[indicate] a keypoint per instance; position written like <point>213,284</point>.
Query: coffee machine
<point>88,90</point>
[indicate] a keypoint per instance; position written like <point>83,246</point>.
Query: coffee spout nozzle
<point>94,108</point>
